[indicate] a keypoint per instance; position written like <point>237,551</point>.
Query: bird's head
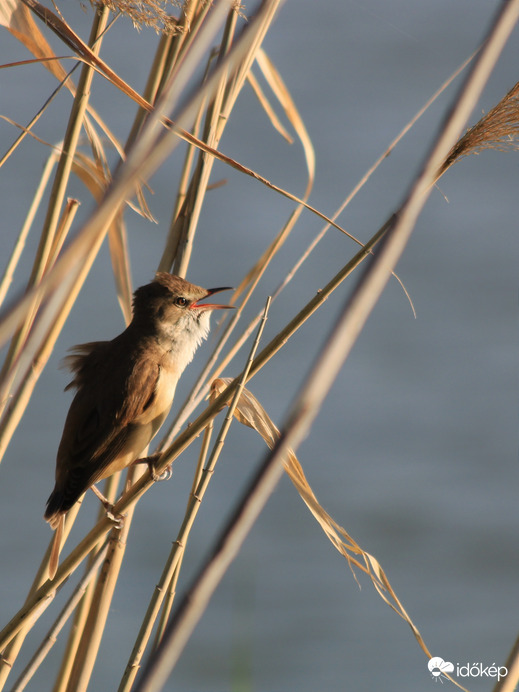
<point>172,308</point>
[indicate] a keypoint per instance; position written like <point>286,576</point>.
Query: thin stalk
<point>82,612</point>
<point>19,401</point>
<point>76,631</point>
<point>180,46</point>
<point>190,197</point>
<point>95,625</point>
<point>48,237</point>
<point>194,14</point>
<point>10,653</point>
<point>24,232</point>
<point>173,240</point>
<point>171,569</point>
<point>60,623</point>
<point>67,218</point>
<point>179,545</point>
<point>508,683</point>
<point>218,447</point>
<point>171,588</point>
<point>61,179</point>
<point>150,91</point>
<point>171,591</point>
<point>200,180</point>
<point>165,59</point>
<point>30,125</point>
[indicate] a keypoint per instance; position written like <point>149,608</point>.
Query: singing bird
<point>125,389</point>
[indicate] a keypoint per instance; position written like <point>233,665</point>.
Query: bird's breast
<point>162,398</point>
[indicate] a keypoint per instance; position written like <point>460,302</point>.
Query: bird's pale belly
<point>139,437</point>
<point>144,428</point>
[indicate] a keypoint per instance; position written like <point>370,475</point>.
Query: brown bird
<point>125,389</point>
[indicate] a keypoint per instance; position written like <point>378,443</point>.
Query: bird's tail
<point>57,522</point>
<point>55,515</point>
<point>55,507</point>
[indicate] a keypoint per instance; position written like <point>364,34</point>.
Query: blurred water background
<point>415,450</point>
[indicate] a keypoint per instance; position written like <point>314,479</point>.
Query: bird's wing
<point>110,398</point>
<point>80,358</point>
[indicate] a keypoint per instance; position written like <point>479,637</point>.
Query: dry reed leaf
<point>95,178</point>
<point>18,20</point>
<point>282,94</point>
<point>91,174</point>
<point>269,110</point>
<point>80,48</point>
<point>118,244</point>
<point>251,413</point>
<point>72,40</point>
<point>18,14</point>
<point>498,129</point>
<point>279,89</point>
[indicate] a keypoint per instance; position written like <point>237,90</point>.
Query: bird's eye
<point>181,302</point>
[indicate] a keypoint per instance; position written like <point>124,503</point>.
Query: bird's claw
<point>151,461</point>
<point>117,519</point>
<point>164,476</point>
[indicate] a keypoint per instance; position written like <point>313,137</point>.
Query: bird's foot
<point>151,461</point>
<point>164,476</point>
<point>118,519</point>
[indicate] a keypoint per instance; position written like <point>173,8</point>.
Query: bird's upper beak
<point>213,306</point>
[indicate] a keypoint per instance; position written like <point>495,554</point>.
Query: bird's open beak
<point>213,306</point>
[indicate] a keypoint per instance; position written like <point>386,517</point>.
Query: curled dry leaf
<point>280,90</point>
<point>251,413</point>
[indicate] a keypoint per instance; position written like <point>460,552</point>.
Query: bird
<point>124,390</point>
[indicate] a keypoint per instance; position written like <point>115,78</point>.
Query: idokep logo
<point>439,668</point>
<point>478,670</point>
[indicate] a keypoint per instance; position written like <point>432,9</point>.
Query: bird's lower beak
<point>214,306</point>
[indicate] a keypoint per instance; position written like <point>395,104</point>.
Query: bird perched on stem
<point>125,389</point>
